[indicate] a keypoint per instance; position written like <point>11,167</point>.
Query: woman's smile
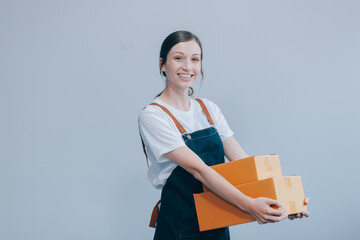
<point>186,77</point>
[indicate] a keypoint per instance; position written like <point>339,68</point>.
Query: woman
<point>183,136</point>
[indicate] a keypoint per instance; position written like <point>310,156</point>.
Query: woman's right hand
<point>261,209</point>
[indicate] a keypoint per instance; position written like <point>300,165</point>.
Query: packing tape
<point>268,166</point>
<point>287,181</point>
<point>292,206</point>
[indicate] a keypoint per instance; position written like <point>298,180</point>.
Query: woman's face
<point>183,64</point>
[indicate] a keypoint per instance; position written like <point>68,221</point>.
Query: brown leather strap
<point>205,110</point>
<point>154,215</point>
<point>178,125</point>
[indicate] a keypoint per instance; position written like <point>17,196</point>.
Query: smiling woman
<point>183,65</point>
<point>173,39</point>
<point>182,137</point>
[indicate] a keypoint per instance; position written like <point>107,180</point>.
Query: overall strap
<point>205,110</point>
<point>178,125</point>
<point>154,215</point>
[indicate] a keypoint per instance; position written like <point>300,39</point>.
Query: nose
<point>187,65</point>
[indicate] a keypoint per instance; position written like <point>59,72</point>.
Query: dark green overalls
<point>177,216</point>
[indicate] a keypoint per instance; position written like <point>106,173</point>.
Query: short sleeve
<point>220,122</point>
<point>159,132</point>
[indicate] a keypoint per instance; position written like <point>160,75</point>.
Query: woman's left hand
<point>300,215</point>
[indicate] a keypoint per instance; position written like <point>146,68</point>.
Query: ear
<point>162,68</point>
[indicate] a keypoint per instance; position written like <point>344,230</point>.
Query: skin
<point>182,68</point>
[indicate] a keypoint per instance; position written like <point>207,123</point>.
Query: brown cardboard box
<point>249,169</point>
<point>214,212</point>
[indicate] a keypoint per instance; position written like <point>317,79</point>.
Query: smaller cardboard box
<point>214,212</point>
<point>249,169</point>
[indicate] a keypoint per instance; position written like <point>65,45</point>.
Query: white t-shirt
<point>160,134</point>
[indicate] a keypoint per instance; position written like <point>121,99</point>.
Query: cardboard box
<point>249,169</point>
<point>214,212</point>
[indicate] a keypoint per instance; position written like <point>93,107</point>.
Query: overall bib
<point>177,216</point>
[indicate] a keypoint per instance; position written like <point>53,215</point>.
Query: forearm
<point>188,160</point>
<point>259,208</point>
<point>221,187</point>
<point>233,150</point>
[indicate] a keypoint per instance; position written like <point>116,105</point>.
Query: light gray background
<point>75,75</point>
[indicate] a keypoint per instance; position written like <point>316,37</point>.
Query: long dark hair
<point>173,39</point>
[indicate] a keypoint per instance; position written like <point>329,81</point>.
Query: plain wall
<point>74,76</point>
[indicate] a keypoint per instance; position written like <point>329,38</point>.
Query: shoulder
<point>151,111</point>
<point>158,131</point>
<point>153,115</point>
<point>207,102</point>
<point>210,105</point>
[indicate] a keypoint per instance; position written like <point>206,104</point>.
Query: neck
<point>178,98</point>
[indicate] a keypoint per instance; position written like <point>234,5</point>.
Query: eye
<point>178,58</point>
<point>195,59</point>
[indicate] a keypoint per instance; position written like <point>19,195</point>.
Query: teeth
<point>184,75</point>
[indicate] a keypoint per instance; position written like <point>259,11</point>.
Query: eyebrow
<point>183,53</point>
